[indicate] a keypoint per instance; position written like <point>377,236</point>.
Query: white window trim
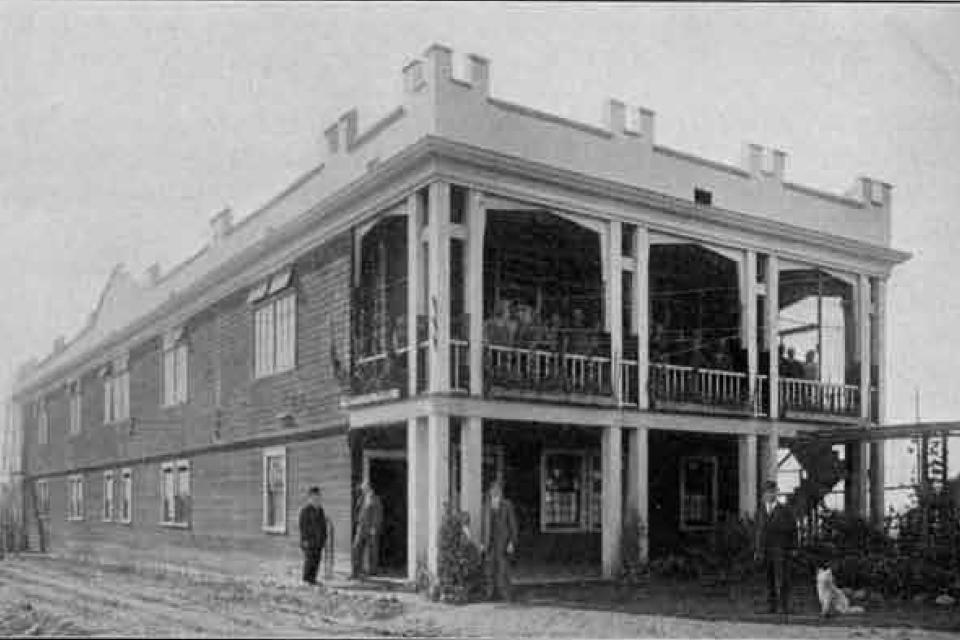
<point>109,478</point>
<point>714,462</point>
<point>584,455</point>
<point>275,452</point>
<point>116,401</point>
<point>43,498</point>
<point>126,472</point>
<point>176,393</point>
<point>176,466</point>
<point>43,425</point>
<point>76,410</point>
<point>272,302</point>
<point>78,480</point>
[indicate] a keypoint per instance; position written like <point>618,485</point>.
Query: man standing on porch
<point>366,548</point>
<point>313,535</point>
<point>776,543</point>
<point>498,536</point>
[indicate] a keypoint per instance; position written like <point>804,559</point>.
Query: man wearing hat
<point>313,534</point>
<point>776,544</point>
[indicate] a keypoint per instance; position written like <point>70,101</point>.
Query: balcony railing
<point>380,373</point>
<point>682,385</point>
<point>819,398</point>
<point>629,383</point>
<point>540,371</point>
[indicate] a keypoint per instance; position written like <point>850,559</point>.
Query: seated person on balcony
<point>659,346</point>
<point>551,333</point>
<point>810,370</point>
<point>529,330</point>
<point>496,330</point>
<point>582,339</point>
<point>697,356</point>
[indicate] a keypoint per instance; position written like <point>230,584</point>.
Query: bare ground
<point>43,596</point>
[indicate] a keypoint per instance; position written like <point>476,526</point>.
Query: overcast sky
<point>124,127</point>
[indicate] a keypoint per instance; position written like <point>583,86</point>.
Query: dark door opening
<point>388,477</point>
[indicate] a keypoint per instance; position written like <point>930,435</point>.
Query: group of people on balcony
<point>720,353</point>
<point>791,367</point>
<point>520,326</point>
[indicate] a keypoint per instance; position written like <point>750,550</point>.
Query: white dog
<point>832,599</point>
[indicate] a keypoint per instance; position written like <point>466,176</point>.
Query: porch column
<point>438,303</point>
<point>416,495</point>
<point>438,483</point>
<point>476,227</point>
<point>471,471</point>
<point>863,344</point>
<point>641,285</point>
<point>773,336</point>
<point>877,449</point>
<point>615,308</point>
<point>747,470</point>
<point>612,499</point>
<point>770,460</point>
<point>855,500</point>
<point>414,280</point>
<point>638,493</point>
<point>750,326</point>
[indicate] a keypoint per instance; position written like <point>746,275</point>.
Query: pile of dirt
<point>21,618</point>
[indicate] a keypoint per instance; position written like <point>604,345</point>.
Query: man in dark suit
<point>313,535</point>
<point>776,545</point>
<point>366,541</point>
<point>498,536</point>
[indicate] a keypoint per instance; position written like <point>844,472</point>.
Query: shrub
<point>460,570</point>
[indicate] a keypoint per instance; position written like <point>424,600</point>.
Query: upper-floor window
<point>274,324</point>
<point>108,495</point>
<point>43,423</point>
<point>73,389</point>
<point>116,390</point>
<point>42,497</point>
<point>75,497</point>
<point>174,368</point>
<point>125,496</point>
<point>175,492</point>
<point>275,490</point>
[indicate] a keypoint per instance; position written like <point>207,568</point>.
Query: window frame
<point>75,504</point>
<point>176,467</point>
<point>267,334</point>
<point>126,493</point>
<point>174,373</point>
<point>268,454</point>
<point>582,493</point>
<point>43,498</point>
<point>116,391</point>
<point>43,424</point>
<point>75,408</point>
<point>109,496</point>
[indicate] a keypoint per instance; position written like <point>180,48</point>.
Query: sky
<point>126,126</point>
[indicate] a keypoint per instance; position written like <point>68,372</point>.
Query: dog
<point>832,599</point>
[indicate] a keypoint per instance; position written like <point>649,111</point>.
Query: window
<point>75,498</point>
<point>75,407</point>
<point>116,391</point>
<point>563,482</point>
<point>628,240</point>
<point>458,204</point>
<point>108,487</point>
<point>698,492</point>
<point>274,326</point>
<point>43,424</point>
<point>174,368</point>
<point>702,196</point>
<point>275,490</point>
<point>175,493</point>
<point>125,497</point>
<point>43,498</point>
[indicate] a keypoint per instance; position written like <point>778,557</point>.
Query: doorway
<point>387,474</point>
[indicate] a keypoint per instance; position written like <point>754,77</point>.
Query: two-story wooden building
<point>470,289</point>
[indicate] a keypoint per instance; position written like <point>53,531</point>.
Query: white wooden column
<point>747,471</point>
<point>878,449</point>
<point>750,322</point>
<point>773,453</point>
<point>863,343</point>
<point>416,495</point>
<point>476,227</point>
<point>414,279</point>
<point>641,302</point>
<point>438,303</point>
<point>471,471</point>
<point>773,334</point>
<point>615,306</point>
<point>438,483</point>
<point>638,477</point>
<point>611,463</point>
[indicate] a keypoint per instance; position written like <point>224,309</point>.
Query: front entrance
<point>388,477</point>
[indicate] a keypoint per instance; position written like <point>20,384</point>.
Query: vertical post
<point>855,491</point>
<point>471,471</point>
<point>641,284</point>
<point>438,239</point>
<point>476,227</point>
<point>773,335</point>
<point>416,491</point>
<point>863,344</point>
<point>747,466</point>
<point>615,307</point>
<point>414,276</point>
<point>638,488</point>
<point>750,323</point>
<point>878,449</point>
<point>772,454</point>
<point>611,463</point>
<point>438,483</point>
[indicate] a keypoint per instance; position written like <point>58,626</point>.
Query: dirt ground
<point>43,596</point>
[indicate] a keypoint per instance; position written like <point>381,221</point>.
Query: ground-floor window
<point>275,490</point>
<point>43,498</point>
<point>108,488</point>
<point>125,498</point>
<point>570,491</point>
<point>698,492</point>
<point>175,493</point>
<point>75,498</point>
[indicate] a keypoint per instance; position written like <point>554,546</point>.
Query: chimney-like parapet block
<point>332,135</point>
<point>646,119</point>
<point>615,116</point>
<point>479,73</point>
<point>413,76</point>
<point>348,129</point>
<point>221,224</point>
<point>753,155</point>
<point>871,192</point>
<point>778,163</point>
<point>440,62</point>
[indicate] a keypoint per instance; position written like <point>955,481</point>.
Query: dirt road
<point>59,597</point>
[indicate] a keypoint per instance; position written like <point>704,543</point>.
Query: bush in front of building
<point>460,570</point>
